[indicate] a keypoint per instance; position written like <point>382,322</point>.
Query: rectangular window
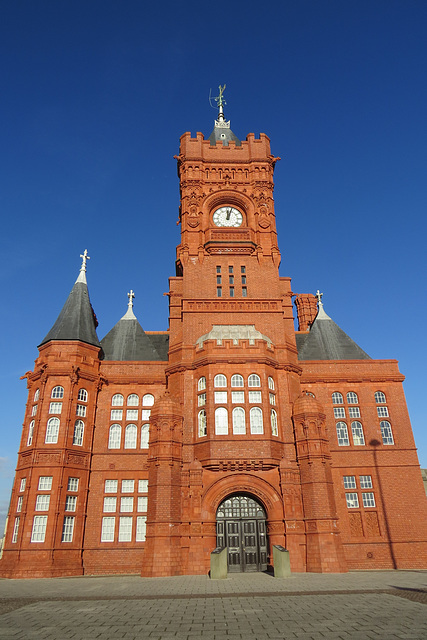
<point>81,410</point>
<point>243,279</point>
<point>55,407</point>
<point>218,279</point>
<point>38,532</point>
<point>45,483</point>
<point>382,412</point>
<point>128,486</point>
<point>126,504</point>
<point>255,396</point>
<point>142,503</point>
<point>244,292</point>
<point>349,482</point>
<point>132,414</point>
<point>339,412</point>
<point>368,499</point>
<point>111,486</point>
<point>218,269</point>
<point>230,269</point>
<point>70,503</point>
<point>220,397</point>
<point>110,504</point>
<point>219,292</point>
<point>141,523</point>
<point>107,531</point>
<point>67,529</point>
<point>231,292</point>
<point>272,398</point>
<point>116,414</point>
<point>242,269</point>
<point>237,397</point>
<point>352,500</point>
<point>22,484</point>
<point>19,503</point>
<point>142,486</point>
<point>230,279</point>
<point>73,484</point>
<point>201,400</point>
<point>42,502</point>
<point>125,529</point>
<point>354,412</point>
<point>34,410</point>
<point>15,530</point>
<point>145,414</point>
<point>365,482</point>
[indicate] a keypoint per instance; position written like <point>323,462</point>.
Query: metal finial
<point>131,296</point>
<point>319,298</point>
<point>85,258</point>
<point>220,102</point>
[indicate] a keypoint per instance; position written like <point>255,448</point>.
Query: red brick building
<point>144,451</point>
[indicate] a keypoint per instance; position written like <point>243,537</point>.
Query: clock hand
<point>228,213</point>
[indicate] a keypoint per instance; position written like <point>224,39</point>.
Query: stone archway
<point>241,527</point>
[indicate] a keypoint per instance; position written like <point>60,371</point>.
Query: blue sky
<point>95,96</point>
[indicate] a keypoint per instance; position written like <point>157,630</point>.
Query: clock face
<point>227,217</point>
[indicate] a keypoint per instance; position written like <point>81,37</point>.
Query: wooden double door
<point>241,527</point>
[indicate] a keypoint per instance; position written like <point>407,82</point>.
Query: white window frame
<point>142,486</point>
<point>73,484</point>
<point>82,395</point>
<point>386,433</point>
<point>111,486</point>
<point>239,421</point>
<point>237,397</point>
<point>132,400</point>
<point>42,502</point>
<point>115,436</point>
<point>19,503</point>
<point>220,397</point>
<point>274,423</point>
<point>337,398</point>
<point>202,424</point>
<point>256,421</point>
<point>349,482</point>
<point>237,380</point>
<point>254,380</point>
<point>352,398</point>
<point>126,504</point>
<point>110,504</point>
<point>131,414</point>
<point>45,483</point>
<point>365,482</point>
<point>357,434</point>
<point>38,531</point>
<point>221,421</point>
<point>55,408</point>
<point>68,529</point>
<point>142,504</point>
<point>339,412</point>
<point>255,397</point>
<point>81,410</point>
<point>271,385</point>
<point>201,384</point>
<point>382,412</point>
<point>145,436</point>
<point>353,412</point>
<point>117,400</point>
<point>30,433</point>
<point>36,395</point>
<point>116,414</point>
<point>141,528</point>
<point>148,400</point>
<point>125,529</point>
<point>380,397</point>
<point>52,431</point>
<point>128,486</point>
<point>201,399</point>
<point>15,530</point>
<point>131,436</point>
<point>342,434</point>
<point>22,485</point>
<point>352,500</point>
<point>57,392</point>
<point>368,499</point>
<point>79,428</point>
<point>220,381</point>
<point>70,503</point>
<point>107,528</point>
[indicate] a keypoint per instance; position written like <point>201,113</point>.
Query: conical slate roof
<point>223,132</point>
<point>128,341</point>
<point>77,319</point>
<point>327,341</point>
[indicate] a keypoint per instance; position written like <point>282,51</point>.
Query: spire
<point>127,340</point>
<point>222,129</point>
<point>327,341</point>
<point>77,320</point>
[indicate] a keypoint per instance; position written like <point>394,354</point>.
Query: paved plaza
<point>358,605</point>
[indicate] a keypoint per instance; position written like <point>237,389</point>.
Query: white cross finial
<point>85,258</point>
<point>319,298</point>
<point>131,296</point>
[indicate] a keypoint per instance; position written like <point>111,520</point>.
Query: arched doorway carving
<point>241,527</point>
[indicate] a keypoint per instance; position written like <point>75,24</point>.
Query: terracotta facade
<point>233,409</point>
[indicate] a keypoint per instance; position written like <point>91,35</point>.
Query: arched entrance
<point>240,526</point>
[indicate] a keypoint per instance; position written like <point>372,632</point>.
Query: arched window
<point>202,423</point>
<point>148,400</point>
<point>221,421</point>
<point>254,380</point>
<point>115,437</point>
<point>78,432</point>
<point>133,400</point>
<point>130,436</point>
<point>352,398</point>
<point>117,400</point>
<point>357,433</point>
<point>274,427</point>
<point>220,380</point>
<point>256,420</point>
<point>386,432</point>
<point>380,397</point>
<point>239,422</point>
<point>237,380</point>
<point>82,395</point>
<point>201,384</point>
<point>37,395</point>
<point>337,398</point>
<point>270,383</point>
<point>30,433</point>
<point>145,436</point>
<point>57,392</point>
<point>342,434</point>
<point>52,430</point>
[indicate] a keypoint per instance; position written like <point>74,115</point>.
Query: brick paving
<point>370,605</point>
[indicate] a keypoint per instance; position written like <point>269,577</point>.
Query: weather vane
<point>219,101</point>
